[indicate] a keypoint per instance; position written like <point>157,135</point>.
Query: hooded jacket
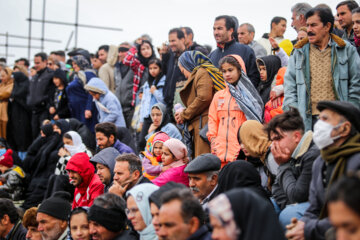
<point>108,105</point>
<point>91,186</point>
<point>106,71</point>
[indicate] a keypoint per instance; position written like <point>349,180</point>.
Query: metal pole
<point>43,26</point>
<point>29,34</point>
<point>68,43</point>
<point>33,38</point>
<point>76,22</point>
<point>7,46</point>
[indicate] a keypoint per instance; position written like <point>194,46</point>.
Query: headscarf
<point>165,116</point>
<point>63,125</point>
<point>58,73</point>
<point>247,97</point>
<point>254,217</point>
<point>272,64</point>
<point>82,62</point>
<point>20,89</point>
<point>78,145</point>
<point>145,61</point>
<point>193,60</point>
<point>141,194</point>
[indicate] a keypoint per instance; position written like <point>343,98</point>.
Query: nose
<point>28,235</point>
<point>40,227</point>
<point>191,183</point>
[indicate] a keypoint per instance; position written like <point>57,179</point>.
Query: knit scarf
<point>247,98</point>
<point>339,155</point>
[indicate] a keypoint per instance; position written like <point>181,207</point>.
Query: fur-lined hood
<point>112,55</point>
<point>339,41</point>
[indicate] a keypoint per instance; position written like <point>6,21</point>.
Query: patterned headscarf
<point>82,62</point>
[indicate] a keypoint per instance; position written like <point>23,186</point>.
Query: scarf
<point>82,62</point>
<point>357,41</point>
<point>339,156</point>
<point>78,145</point>
<point>193,60</point>
<point>247,98</point>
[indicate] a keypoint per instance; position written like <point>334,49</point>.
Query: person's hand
<point>138,41</point>
<point>276,102</point>
<point>274,44</point>
<point>281,155</point>
<point>295,230</point>
<point>52,110</point>
<point>88,114</point>
<point>118,189</point>
<point>152,128</point>
<point>56,117</point>
<point>63,152</point>
<point>178,118</point>
<point>153,89</point>
<point>164,168</point>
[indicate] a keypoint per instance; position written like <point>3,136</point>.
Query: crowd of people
<point>251,140</point>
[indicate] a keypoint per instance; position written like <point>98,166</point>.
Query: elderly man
<point>246,34</point>
<point>10,223</point>
<point>336,133</point>
<point>203,174</point>
<point>298,15</point>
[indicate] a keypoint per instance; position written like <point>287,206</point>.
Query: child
<point>59,101</point>
<point>12,176</point>
<point>153,154</point>
<point>175,157</point>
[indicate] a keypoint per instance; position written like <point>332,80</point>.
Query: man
<point>298,15</point>
<point>10,222</point>
<point>40,89</point>
<point>189,41</point>
<point>52,216</point>
<point>124,81</point>
<point>107,219</point>
<point>30,223</point>
<point>322,67</point>
<point>224,26</point>
<point>246,34</point>
<point>175,80</point>
<point>105,163</point>
<point>22,62</point>
<point>337,136</point>
<point>277,30</point>
<point>203,174</point>
<point>106,137</point>
<point>294,151</point>
<point>181,217</point>
<point>87,184</point>
<point>108,57</point>
<point>344,14</point>
<point>95,62</point>
<point>127,174</point>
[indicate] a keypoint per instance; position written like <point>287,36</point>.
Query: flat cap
<point>346,109</point>
<point>204,163</point>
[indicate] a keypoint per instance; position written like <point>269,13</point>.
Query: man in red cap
<point>87,184</point>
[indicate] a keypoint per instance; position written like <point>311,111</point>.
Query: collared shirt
<point>328,45</point>
<point>207,199</point>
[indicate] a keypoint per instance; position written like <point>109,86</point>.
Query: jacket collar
<point>339,41</point>
<point>227,44</point>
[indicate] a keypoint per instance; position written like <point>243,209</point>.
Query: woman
<point>202,79</point>
<point>356,28</point>
<point>138,210</point>
<point>79,224</point>
<point>6,87</point>
<point>230,107</point>
<point>58,104</point>
<point>80,101</point>
<point>241,214</point>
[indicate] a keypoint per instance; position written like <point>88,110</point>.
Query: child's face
<point>57,82</point>
<point>157,149</point>
<point>263,74</point>
<point>154,70</point>
<point>68,141</point>
<point>230,72</point>
<point>167,157</point>
<point>95,95</point>
<point>3,168</point>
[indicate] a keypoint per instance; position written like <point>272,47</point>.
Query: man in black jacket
<point>10,222</point>
<point>40,89</point>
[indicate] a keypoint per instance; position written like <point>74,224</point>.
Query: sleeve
<point>162,179</point>
<point>158,94</point>
<point>5,93</point>
<point>171,130</point>
<point>251,68</point>
<point>213,120</point>
<point>114,112</point>
<point>149,168</point>
<point>134,63</point>
<point>97,190</point>
<point>283,57</point>
<point>290,89</point>
<point>354,76</point>
<point>89,103</point>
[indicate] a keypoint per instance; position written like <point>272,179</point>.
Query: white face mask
<point>322,134</point>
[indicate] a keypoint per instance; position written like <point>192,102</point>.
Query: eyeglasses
<point>131,211</point>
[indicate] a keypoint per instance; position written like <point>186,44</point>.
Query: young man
<point>344,15</point>
<point>10,222</point>
<point>277,30</point>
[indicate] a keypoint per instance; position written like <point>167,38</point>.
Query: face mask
<point>72,149</point>
<point>322,134</point>
<point>2,151</point>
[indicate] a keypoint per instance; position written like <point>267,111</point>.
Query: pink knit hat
<point>177,148</point>
<point>160,137</point>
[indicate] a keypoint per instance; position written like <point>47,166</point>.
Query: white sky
<point>135,17</point>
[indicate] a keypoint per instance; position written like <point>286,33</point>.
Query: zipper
<point>332,73</point>
<point>227,130</point>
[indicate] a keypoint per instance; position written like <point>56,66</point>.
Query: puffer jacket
<point>225,119</point>
<point>14,184</point>
<point>91,186</point>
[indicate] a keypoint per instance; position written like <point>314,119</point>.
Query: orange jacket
<point>225,119</point>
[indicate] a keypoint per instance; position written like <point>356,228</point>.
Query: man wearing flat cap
<point>203,174</point>
<point>337,135</point>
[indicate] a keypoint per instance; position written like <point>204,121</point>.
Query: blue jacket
<point>108,105</point>
<point>345,64</point>
<point>122,147</point>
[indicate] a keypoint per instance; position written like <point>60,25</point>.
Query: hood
<point>107,157</point>
<point>80,163</point>
<point>112,55</point>
<point>97,85</point>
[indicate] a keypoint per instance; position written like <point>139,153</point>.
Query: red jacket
<point>91,186</point>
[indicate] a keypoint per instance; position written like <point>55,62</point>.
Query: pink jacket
<point>175,174</point>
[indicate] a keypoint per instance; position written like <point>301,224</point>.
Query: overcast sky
<point>135,17</point>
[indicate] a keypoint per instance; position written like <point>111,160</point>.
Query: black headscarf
<point>272,64</point>
<point>61,75</point>
<point>240,174</point>
<point>165,116</point>
<point>63,125</point>
<point>145,61</point>
<point>21,88</point>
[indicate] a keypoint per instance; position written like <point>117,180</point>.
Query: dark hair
<point>324,14</point>
<point>145,61</point>
<point>68,136</point>
<point>104,47</point>
<point>290,120</point>
<point>229,21</point>
<point>349,3</point>
<point>7,207</point>
<point>77,211</point>
<point>277,20</point>
<point>29,218</point>
<point>60,53</point>
<point>3,60</point>
<point>133,160</point>
<point>190,206</point>
<point>107,128</point>
<point>230,60</point>
<point>356,10</point>
<point>42,55</point>
<point>346,189</point>
<point>179,34</point>
<point>26,62</point>
<point>156,61</point>
<point>188,31</point>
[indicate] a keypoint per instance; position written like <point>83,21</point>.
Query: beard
<point>52,234</point>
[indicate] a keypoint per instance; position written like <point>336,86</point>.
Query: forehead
<point>220,22</point>
<point>313,19</point>
<point>329,114</point>
<point>173,36</point>
<point>43,216</point>
<point>37,59</point>
<point>197,175</point>
<point>243,29</point>
<point>343,8</point>
<point>356,16</point>
<point>121,166</point>
<point>99,165</point>
<point>100,134</point>
<point>170,212</point>
<point>145,45</point>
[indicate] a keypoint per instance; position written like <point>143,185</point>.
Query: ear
<point>214,180</point>
<point>194,224</point>
<point>297,136</point>
<point>346,129</point>
<point>302,18</point>
<point>112,138</point>
<point>328,26</point>
<point>136,174</point>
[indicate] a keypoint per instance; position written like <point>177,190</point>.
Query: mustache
<point>311,34</point>
<point>194,189</point>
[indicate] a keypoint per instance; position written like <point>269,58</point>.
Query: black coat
<point>62,110</point>
<point>202,233</point>
<point>18,232</point>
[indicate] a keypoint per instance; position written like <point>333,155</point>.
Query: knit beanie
<point>177,148</point>
<point>7,159</point>
<point>57,206</point>
<point>160,137</point>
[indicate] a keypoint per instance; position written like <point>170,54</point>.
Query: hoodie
<point>91,186</point>
<point>107,71</point>
<point>108,105</point>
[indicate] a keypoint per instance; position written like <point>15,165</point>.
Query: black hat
<point>204,163</point>
<point>345,109</point>
<point>155,197</point>
<point>57,206</point>
<point>58,73</point>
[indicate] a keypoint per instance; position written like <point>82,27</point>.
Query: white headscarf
<point>78,146</point>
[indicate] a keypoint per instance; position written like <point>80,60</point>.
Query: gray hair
<point>301,8</point>
<point>249,27</point>
<point>210,174</point>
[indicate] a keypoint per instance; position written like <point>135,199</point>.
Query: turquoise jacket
<point>345,65</point>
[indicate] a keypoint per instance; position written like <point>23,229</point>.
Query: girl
<point>230,107</point>
<point>6,87</point>
<point>175,157</point>
<point>152,155</point>
<point>59,101</point>
<point>79,224</point>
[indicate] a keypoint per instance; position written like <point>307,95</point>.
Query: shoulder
<point>353,163</point>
